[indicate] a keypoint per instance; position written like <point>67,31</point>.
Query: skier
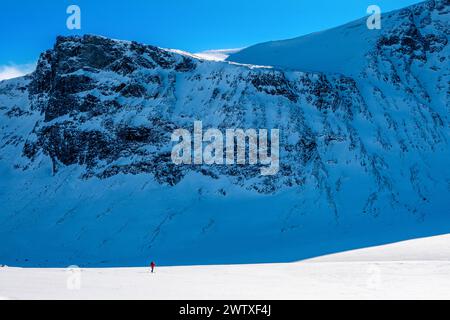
<point>152,266</point>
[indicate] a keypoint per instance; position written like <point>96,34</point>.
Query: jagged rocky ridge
<point>353,147</point>
<point>104,85</point>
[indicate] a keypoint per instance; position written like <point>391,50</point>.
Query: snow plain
<point>415,269</point>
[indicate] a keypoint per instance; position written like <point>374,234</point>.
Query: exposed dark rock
<point>274,83</point>
<point>186,65</point>
<point>133,90</point>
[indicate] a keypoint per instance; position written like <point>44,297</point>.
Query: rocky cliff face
<point>85,151</point>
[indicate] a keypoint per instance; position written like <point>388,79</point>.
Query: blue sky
<point>27,27</point>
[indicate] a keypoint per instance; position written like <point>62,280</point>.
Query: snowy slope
<point>339,50</point>
<point>216,55</point>
<point>85,153</point>
<point>409,270</point>
<point>344,49</point>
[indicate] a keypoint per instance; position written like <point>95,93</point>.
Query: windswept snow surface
<point>216,55</point>
<point>209,55</point>
<point>337,50</point>
<point>416,269</point>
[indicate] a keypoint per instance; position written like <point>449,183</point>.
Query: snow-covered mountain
<point>408,33</point>
<point>85,146</point>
